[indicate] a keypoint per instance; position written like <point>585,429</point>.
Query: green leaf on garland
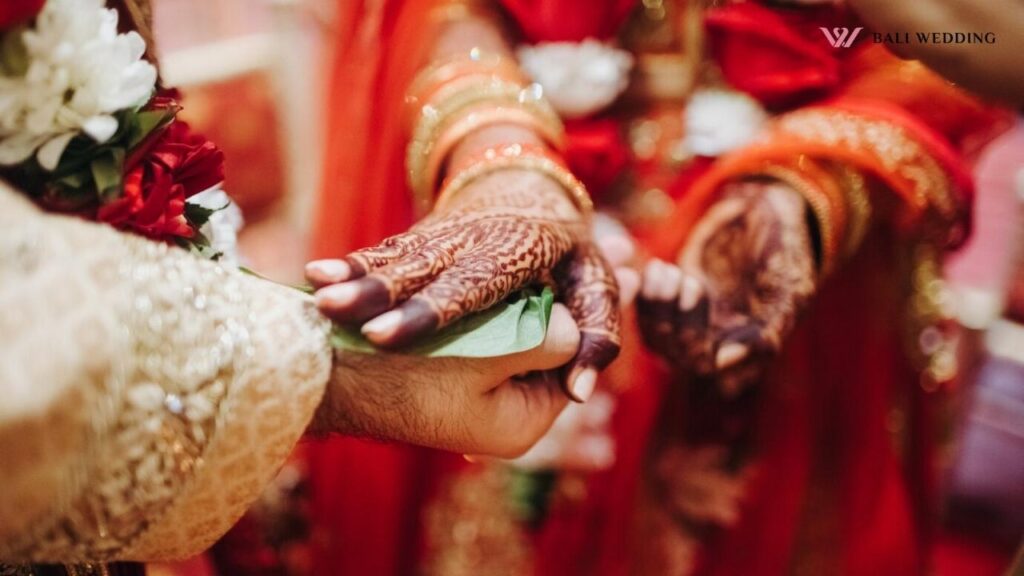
<point>199,240</point>
<point>146,122</point>
<point>74,181</point>
<point>517,324</point>
<point>198,215</point>
<point>13,54</point>
<point>107,170</point>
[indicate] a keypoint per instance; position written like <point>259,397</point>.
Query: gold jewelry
<point>522,156</point>
<point>475,118</point>
<point>819,190</point>
<point>476,62</point>
<point>839,199</point>
<point>858,200</point>
<point>440,112</point>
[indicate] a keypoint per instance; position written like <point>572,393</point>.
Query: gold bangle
<point>476,62</point>
<point>522,156</point>
<point>858,200</point>
<point>434,117</point>
<point>831,226</point>
<point>488,114</point>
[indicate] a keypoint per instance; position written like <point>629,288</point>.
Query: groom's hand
<point>487,406</point>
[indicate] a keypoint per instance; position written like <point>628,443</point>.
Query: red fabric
<point>14,12</point>
<point>957,555</point>
<point>761,52</point>
<point>596,152</point>
<point>365,197</point>
<point>569,20</point>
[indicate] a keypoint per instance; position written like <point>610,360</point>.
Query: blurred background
<point>254,74</point>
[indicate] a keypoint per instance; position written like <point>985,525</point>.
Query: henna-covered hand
<point>743,275</point>
<point>503,232</point>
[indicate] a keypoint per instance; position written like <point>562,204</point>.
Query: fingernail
<point>730,353</point>
<point>672,281</point>
<point>617,250</point>
<point>582,386</point>
<point>330,270</point>
<point>651,282</point>
<point>384,326</point>
<point>629,285</point>
<point>337,294</point>
<point>691,289</point>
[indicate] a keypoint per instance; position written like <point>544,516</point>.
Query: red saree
<point>842,431</point>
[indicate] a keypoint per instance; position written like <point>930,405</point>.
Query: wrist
<point>517,157</point>
<point>330,416</point>
<point>489,137</point>
<point>510,188</point>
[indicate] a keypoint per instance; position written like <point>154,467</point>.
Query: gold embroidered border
<point>889,144</point>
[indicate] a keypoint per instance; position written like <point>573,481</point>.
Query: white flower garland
<point>719,120</point>
<point>80,72</point>
<point>579,78</point>
<point>223,226</point>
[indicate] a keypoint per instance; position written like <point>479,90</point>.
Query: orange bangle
<point>488,115</point>
<point>460,10</point>
<point>439,76</point>
<point>489,91</point>
<point>523,156</point>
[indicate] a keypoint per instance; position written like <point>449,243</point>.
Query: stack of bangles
<point>839,199</point>
<point>532,157</point>
<point>453,98</point>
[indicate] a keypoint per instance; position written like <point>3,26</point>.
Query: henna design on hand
<point>592,295</point>
<point>503,232</point>
<point>747,270</point>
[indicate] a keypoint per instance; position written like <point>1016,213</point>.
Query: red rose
<point>14,12</point>
<point>175,166</point>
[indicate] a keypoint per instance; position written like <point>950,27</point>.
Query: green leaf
<point>146,122</point>
<point>13,54</point>
<point>198,215</point>
<point>76,180</point>
<point>306,288</point>
<point>106,172</point>
<point>518,324</point>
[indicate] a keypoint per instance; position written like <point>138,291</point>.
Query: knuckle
<point>598,349</point>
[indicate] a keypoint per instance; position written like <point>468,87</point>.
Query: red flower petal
<point>14,12</point>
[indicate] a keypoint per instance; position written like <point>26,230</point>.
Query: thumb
<point>558,348</point>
